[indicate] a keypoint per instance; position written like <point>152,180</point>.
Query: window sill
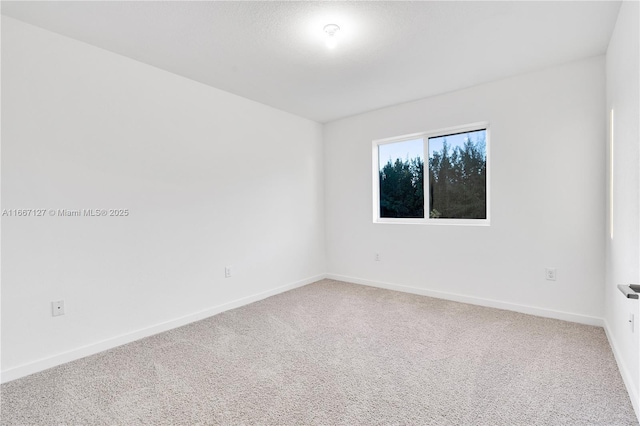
<point>446,222</point>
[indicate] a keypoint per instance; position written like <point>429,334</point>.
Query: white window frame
<point>425,143</point>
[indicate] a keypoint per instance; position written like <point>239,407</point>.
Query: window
<point>433,177</point>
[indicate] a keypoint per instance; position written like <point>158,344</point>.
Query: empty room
<point>320,213</point>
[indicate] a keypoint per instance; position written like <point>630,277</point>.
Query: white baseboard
<point>624,371</point>
<point>81,352</point>
<point>103,345</point>
<point>531,310</point>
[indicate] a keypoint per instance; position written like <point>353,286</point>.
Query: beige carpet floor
<point>336,353</point>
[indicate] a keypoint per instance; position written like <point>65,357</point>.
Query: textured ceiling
<point>388,52</point>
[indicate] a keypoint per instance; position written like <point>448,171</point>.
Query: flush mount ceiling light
<point>331,31</point>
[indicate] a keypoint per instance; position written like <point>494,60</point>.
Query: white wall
<point>623,250</point>
<point>210,179</point>
<point>547,190</point>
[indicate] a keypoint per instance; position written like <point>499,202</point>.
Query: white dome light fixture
<point>331,31</point>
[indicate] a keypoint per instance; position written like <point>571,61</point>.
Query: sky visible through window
<point>400,150</point>
<point>435,144</point>
<point>413,148</point>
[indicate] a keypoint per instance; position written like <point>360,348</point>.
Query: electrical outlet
<point>227,271</point>
<point>57,308</point>
<point>550,274</point>
<point>377,257</point>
